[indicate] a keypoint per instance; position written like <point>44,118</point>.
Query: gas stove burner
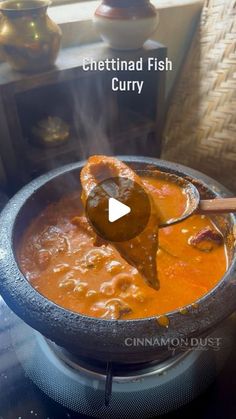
<point>145,390</point>
<point>111,371</point>
<point>123,371</point>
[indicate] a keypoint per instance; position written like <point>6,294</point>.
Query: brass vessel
<point>51,132</point>
<point>29,39</point>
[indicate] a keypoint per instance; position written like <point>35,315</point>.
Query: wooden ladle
<point>218,205</point>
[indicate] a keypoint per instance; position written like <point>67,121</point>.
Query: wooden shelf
<point>132,123</point>
<point>37,155</point>
<point>69,61</point>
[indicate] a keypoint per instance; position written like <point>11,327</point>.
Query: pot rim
<point>26,6</point>
<point>126,11</point>
<point>57,322</point>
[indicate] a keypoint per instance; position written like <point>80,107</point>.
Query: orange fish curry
<point>65,261</point>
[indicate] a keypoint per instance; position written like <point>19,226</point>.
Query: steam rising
<point>93,117</point>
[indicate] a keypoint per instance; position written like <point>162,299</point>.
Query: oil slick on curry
<point>64,260</point>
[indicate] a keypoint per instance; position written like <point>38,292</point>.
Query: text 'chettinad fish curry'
<point>65,260</point>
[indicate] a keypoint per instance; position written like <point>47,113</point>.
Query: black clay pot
<point>98,338</point>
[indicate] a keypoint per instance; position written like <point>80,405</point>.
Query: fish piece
<point>141,250</point>
<point>206,239</point>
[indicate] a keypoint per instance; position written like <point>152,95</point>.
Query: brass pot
<point>29,39</point>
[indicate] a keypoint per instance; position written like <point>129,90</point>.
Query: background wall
<point>2,174</point>
<point>176,28</point>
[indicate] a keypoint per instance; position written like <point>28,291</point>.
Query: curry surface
<point>61,261</point>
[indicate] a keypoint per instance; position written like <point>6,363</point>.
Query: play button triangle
<point>117,210</point>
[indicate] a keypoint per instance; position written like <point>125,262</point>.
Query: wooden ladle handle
<point>218,205</point>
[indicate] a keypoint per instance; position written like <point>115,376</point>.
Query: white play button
<point>116,210</point>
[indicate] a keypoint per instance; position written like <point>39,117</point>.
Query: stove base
<point>143,393</point>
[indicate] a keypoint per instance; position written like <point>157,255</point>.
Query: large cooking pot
<point>109,340</point>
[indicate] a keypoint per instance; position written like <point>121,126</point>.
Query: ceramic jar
<point>29,39</point>
<point>126,24</point>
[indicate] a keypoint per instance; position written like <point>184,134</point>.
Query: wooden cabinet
<point>100,120</point>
